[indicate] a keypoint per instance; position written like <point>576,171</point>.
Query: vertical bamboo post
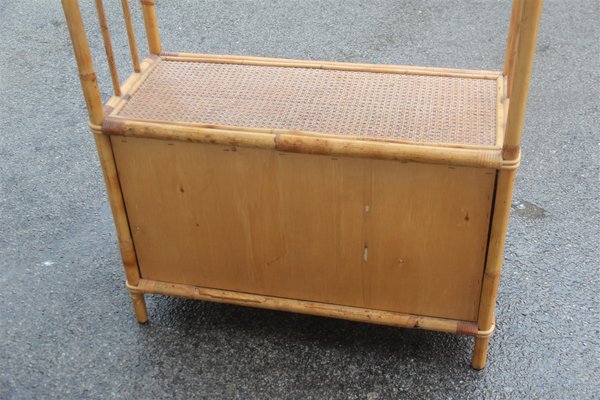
<point>151,25</point>
<point>491,277</point>
<point>139,307</point>
<point>511,46</point>
<point>110,56</point>
<point>107,162</point>
<point>525,53</point>
<point>131,35</point>
<point>87,75</point>
<point>527,35</point>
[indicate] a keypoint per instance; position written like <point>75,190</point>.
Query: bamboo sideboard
<point>374,193</point>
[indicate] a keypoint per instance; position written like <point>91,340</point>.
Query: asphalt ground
<point>67,329</point>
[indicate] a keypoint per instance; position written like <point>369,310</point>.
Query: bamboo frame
<point>399,320</point>
<point>131,36</point>
<point>87,75</point>
<point>110,56</point>
<point>526,18</point>
<point>94,104</point>
<point>504,156</point>
<point>511,46</point>
<point>504,187</point>
<point>523,64</point>
<point>331,65</point>
<point>287,141</point>
<point>151,24</point>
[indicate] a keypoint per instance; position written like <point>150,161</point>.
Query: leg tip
<point>480,353</point>
<point>139,307</point>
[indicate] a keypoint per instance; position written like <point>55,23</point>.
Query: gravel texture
<point>67,329</point>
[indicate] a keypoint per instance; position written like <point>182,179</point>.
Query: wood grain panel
<point>427,238</point>
<point>387,235</point>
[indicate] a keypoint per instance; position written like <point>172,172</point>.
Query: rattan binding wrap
<point>396,107</point>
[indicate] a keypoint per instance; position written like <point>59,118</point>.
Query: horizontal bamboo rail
<point>388,318</point>
<point>331,65</point>
<point>296,142</point>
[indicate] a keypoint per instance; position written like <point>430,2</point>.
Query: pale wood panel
<point>248,220</point>
<point>427,238</point>
<point>296,225</point>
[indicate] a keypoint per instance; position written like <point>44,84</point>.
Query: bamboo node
<point>112,126</point>
<point>91,77</point>
<point>305,145</point>
<point>132,288</point>
<point>486,333</point>
<point>513,163</point>
<point>96,129</point>
<point>511,152</point>
<point>466,328</point>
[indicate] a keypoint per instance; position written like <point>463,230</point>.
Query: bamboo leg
<point>480,352</point>
<point>491,277</point>
<point>524,27</point>
<point>139,306</point>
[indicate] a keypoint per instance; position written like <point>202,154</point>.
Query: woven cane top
<point>397,107</point>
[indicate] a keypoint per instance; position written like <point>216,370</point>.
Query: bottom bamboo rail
<point>377,317</point>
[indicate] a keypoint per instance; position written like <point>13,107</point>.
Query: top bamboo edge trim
<point>330,65</point>
<point>114,115</point>
<point>298,143</point>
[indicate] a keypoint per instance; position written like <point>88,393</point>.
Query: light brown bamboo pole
<point>491,278</point>
<point>306,307</point>
<point>289,141</point>
<point>151,24</point>
<point>96,114</point>
<point>114,74</point>
<point>526,30</point>
<point>87,75</point>
<point>333,66</point>
<point>139,307</point>
<point>530,19</point>
<point>130,35</point>
<point>483,74</point>
<point>511,46</point>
